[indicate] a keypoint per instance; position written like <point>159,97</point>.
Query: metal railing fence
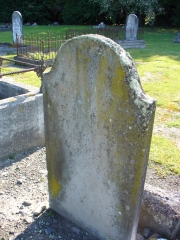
<point>39,69</point>
<point>38,46</point>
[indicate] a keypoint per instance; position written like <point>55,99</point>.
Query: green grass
<point>29,78</point>
<point>7,36</point>
<point>175,124</point>
<point>164,156</point>
<point>159,68</point>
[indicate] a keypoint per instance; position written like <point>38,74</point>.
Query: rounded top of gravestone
<point>16,14</point>
<point>132,15</point>
<point>97,46</point>
<point>132,18</point>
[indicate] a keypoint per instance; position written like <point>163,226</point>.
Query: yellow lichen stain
<point>113,82</point>
<point>12,99</point>
<point>54,163</point>
<point>31,94</point>
<point>118,115</point>
<point>55,186</point>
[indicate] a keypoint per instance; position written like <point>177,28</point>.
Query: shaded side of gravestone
<point>98,126</point>
<point>17,26</point>
<point>132,27</point>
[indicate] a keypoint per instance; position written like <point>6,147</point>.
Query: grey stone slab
<point>160,211</point>
<point>98,127</point>
<point>131,44</point>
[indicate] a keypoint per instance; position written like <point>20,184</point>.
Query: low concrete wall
<point>21,122</point>
<point>7,89</point>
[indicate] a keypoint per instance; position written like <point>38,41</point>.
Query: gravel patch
<point>24,209</point>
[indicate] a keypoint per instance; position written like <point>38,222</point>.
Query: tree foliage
<point>113,8</point>
<point>82,11</point>
<point>91,11</point>
<point>172,11</point>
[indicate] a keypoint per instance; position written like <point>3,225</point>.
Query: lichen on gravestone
<point>98,127</point>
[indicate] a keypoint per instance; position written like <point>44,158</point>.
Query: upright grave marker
<point>131,27</point>
<point>17,26</point>
<point>176,39</point>
<point>131,34</point>
<point>98,127</point>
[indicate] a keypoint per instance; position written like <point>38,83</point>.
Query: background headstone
<point>176,39</point>
<point>98,126</point>
<point>132,27</point>
<point>17,26</point>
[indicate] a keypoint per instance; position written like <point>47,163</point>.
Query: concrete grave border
<point>21,118</point>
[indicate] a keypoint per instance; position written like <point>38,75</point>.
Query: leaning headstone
<point>177,38</point>
<point>98,127</point>
<point>17,26</point>
<point>131,27</point>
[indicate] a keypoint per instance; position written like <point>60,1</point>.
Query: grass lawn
<point>159,69</point>
<point>7,36</point>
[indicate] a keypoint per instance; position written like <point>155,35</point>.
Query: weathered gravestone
<point>17,26</point>
<point>98,126</point>
<point>131,27</point>
<point>131,34</point>
<point>176,39</point>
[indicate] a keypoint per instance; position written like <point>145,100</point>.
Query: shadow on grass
<point>51,225</point>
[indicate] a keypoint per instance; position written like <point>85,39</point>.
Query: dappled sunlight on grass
<point>29,78</point>
<point>167,117</point>
<point>160,79</point>
<point>158,66</point>
<point>165,155</point>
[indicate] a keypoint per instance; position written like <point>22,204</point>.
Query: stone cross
<point>98,127</point>
<point>17,26</point>
<point>131,27</point>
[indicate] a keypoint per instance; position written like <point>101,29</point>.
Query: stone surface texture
<point>131,44</point>
<point>98,127</point>
<point>21,117</point>
<point>17,26</point>
<point>132,27</point>
<point>160,210</point>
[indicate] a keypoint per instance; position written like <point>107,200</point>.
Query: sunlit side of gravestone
<point>98,127</point>
<point>17,27</point>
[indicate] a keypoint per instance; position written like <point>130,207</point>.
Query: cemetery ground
<point>23,175</point>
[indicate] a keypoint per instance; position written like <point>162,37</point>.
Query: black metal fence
<point>110,32</point>
<point>39,69</point>
<point>38,46</point>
